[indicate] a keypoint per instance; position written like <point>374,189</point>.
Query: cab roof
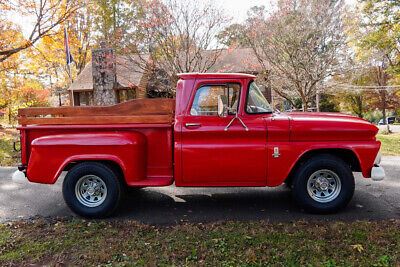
<point>196,75</point>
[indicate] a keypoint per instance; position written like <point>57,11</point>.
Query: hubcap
<point>91,191</point>
<point>324,186</point>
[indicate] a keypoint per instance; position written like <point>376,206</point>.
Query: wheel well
<point>346,155</point>
<point>114,166</point>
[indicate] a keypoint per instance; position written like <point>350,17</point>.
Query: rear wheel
<point>323,184</point>
<point>92,190</point>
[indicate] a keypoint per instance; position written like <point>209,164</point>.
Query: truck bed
<point>150,118</point>
<point>134,111</point>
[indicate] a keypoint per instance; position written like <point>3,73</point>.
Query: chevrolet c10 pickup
<point>220,131</point>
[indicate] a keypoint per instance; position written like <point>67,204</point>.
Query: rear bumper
<point>22,168</point>
<point>19,176</point>
<point>377,173</point>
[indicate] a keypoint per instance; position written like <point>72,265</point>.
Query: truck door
<point>213,155</point>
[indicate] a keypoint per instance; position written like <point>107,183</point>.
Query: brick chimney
<point>104,76</point>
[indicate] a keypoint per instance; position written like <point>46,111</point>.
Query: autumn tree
<point>355,102</point>
<point>382,98</point>
<point>49,52</point>
<point>379,25</point>
<point>345,86</point>
<point>48,14</point>
<point>45,62</point>
<point>373,31</point>
<point>178,36</point>
<point>303,43</point>
<point>18,91</point>
<point>116,21</point>
<point>235,35</point>
<point>82,33</point>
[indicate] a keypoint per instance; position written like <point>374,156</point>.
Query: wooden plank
<point>143,119</point>
<point>132,107</point>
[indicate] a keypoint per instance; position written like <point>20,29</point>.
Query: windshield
<point>256,102</point>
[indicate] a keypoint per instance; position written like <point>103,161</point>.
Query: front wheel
<point>92,190</point>
<point>323,184</point>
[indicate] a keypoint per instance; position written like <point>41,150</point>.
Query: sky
<point>237,9</point>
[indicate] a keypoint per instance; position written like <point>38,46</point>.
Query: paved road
<point>170,205</point>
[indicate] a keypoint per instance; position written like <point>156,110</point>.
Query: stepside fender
<point>51,154</point>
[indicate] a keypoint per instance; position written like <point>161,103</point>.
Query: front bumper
<point>377,173</point>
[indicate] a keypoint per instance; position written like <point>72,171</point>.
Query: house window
<point>124,95</point>
<point>83,98</point>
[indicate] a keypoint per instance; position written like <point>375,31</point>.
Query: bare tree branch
<point>49,14</point>
<point>302,41</point>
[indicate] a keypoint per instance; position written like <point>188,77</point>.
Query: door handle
<point>192,125</point>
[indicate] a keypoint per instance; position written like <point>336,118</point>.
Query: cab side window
<point>205,102</point>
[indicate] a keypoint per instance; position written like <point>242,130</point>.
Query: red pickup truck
<point>220,131</point>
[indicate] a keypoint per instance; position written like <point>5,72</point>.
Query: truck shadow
<point>172,205</point>
<point>159,206</point>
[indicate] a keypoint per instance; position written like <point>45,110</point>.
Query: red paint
<point>144,154</point>
<point>205,155</point>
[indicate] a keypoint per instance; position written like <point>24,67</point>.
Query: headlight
<point>378,158</point>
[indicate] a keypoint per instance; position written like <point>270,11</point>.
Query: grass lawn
<point>390,144</point>
<point>222,244</point>
<point>8,157</point>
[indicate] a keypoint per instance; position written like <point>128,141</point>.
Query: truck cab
<point>219,131</point>
<point>221,149</point>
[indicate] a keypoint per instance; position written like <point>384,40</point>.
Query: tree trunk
<point>360,107</point>
<point>9,115</point>
<point>383,98</point>
<point>304,104</point>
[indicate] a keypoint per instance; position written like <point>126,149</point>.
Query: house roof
<point>84,81</point>
<point>130,70</point>
<point>129,73</point>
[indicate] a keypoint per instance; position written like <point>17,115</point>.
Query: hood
<point>320,126</point>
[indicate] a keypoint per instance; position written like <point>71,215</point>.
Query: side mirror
<point>222,106</point>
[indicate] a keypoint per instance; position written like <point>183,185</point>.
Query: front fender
<point>291,152</point>
<point>51,154</point>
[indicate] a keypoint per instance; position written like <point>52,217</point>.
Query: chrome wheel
<point>324,186</point>
<point>91,191</point>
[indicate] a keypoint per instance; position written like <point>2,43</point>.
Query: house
<point>109,79</point>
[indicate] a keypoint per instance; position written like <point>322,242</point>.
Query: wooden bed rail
<point>156,110</point>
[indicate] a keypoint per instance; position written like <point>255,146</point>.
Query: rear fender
<point>51,154</point>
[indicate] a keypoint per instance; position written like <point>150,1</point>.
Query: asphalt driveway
<point>171,205</point>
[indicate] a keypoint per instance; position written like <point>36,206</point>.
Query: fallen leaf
<point>357,247</point>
